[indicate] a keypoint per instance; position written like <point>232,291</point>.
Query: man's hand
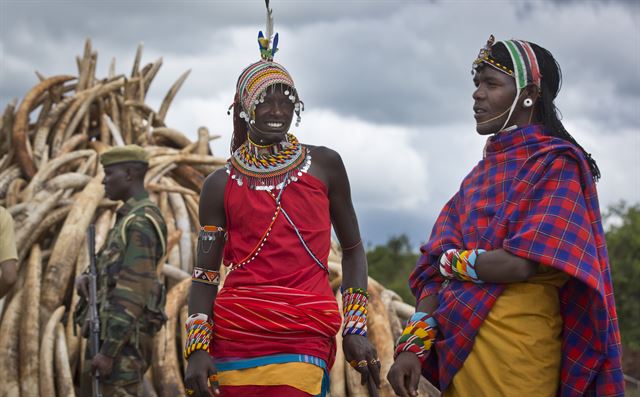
<point>404,374</point>
<point>362,356</point>
<point>82,285</point>
<point>103,364</point>
<point>201,372</point>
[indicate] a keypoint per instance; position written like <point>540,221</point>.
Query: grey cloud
<point>386,62</point>
<point>413,67</point>
<point>182,25</point>
<point>633,4</point>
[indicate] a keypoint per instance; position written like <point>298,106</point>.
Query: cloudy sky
<point>385,83</point>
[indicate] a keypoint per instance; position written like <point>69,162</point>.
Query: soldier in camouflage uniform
<point>130,294</point>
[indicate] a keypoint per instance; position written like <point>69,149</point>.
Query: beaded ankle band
<point>354,307</point>
<point>199,331</point>
<point>418,336</point>
<point>460,265</point>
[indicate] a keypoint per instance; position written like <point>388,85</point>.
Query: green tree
<point>392,263</point>
<point>623,243</point>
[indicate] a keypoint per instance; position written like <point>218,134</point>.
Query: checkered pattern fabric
<point>532,195</point>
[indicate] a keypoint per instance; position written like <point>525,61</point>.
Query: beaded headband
<point>525,64</point>
<point>257,77</point>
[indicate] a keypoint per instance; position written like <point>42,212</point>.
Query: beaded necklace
<point>268,171</point>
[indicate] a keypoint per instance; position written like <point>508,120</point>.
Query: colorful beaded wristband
<point>354,307</point>
<point>418,336</point>
<point>199,331</point>
<point>460,264</point>
<point>200,275</point>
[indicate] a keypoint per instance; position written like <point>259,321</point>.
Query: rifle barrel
<point>94,329</point>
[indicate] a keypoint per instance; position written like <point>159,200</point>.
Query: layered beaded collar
<point>269,167</point>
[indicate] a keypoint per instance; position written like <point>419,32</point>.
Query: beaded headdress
<point>271,166</point>
<point>525,64</point>
<point>254,81</point>
<point>526,70</point>
<point>256,78</point>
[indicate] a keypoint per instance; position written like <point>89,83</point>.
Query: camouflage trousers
<point>129,367</point>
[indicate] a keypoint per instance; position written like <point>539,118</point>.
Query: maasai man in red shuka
<point>270,331</point>
<point>513,286</point>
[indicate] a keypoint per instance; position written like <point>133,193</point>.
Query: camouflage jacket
<point>131,296</point>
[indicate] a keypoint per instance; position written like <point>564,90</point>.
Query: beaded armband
<point>205,276</point>
<point>199,331</point>
<point>418,336</point>
<point>460,264</point>
<point>354,307</point>
<point>208,235</point>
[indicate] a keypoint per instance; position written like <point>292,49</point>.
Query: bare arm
<point>211,213</point>
<point>201,296</point>
<point>428,304</point>
<point>500,266</point>
<point>343,217</point>
<point>329,167</point>
<point>404,374</point>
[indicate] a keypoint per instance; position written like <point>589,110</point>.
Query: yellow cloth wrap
<point>517,351</point>
<point>303,376</point>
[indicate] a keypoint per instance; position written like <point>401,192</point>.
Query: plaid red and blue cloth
<point>534,196</point>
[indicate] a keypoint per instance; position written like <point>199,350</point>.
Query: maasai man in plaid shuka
<point>532,195</point>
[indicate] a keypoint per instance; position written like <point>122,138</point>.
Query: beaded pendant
<point>284,163</point>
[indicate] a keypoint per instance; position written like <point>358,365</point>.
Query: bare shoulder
<point>327,165</point>
<point>211,210</point>
<point>324,155</point>
<point>214,184</point>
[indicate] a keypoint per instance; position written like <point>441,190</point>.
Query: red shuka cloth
<point>280,302</point>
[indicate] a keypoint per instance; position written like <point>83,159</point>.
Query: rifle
<point>94,319</point>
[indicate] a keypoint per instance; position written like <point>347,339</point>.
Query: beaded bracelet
<point>354,307</point>
<point>460,264</point>
<point>200,275</point>
<point>199,331</point>
<point>418,336</point>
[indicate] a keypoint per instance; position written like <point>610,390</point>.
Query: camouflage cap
<point>123,154</point>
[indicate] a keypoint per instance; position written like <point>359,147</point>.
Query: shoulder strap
<point>154,222</point>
